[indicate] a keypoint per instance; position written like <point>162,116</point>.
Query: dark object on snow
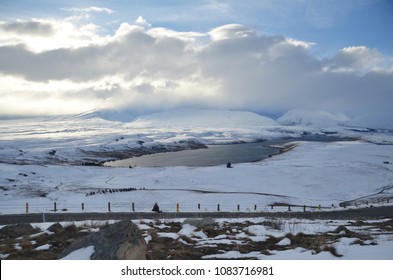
<point>119,241</point>
<point>13,231</point>
<point>229,165</point>
<point>56,228</point>
<point>156,208</point>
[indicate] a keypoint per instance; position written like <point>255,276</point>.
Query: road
<point>350,214</point>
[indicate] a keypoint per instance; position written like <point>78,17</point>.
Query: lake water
<point>218,154</point>
<point>214,155</point>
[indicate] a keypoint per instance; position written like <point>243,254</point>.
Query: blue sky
<point>64,57</point>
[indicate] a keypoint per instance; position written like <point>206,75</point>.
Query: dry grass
<point>185,247</point>
<point>58,242</point>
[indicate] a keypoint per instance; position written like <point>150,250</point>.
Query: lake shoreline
<point>272,148</point>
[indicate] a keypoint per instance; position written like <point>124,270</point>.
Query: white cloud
<point>360,60</point>
<point>299,43</point>
<point>40,35</point>
<point>89,10</point>
<point>231,31</point>
<point>142,22</point>
<point>71,68</point>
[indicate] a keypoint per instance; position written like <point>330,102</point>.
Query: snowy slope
<point>315,118</point>
<point>375,121</point>
<point>92,137</point>
<point>206,118</point>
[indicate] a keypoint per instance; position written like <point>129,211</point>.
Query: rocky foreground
<point>194,239</point>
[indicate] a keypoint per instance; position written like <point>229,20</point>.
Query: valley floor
<point>317,175</point>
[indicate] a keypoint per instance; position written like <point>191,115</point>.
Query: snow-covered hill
<point>95,137</point>
<point>314,118</point>
<point>323,119</point>
<point>100,136</point>
<point>206,118</point>
<point>374,121</point>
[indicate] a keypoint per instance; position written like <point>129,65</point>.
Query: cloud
<point>150,69</point>
<point>40,35</point>
<point>231,31</point>
<point>89,10</point>
<point>34,27</point>
<point>359,59</point>
<point>140,21</point>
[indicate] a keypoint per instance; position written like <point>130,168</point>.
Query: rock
<point>119,241</point>
<point>56,228</point>
<point>12,231</point>
<point>200,223</point>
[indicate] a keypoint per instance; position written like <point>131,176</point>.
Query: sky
<point>269,56</point>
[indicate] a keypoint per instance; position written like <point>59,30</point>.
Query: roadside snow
<point>43,247</point>
<point>80,254</point>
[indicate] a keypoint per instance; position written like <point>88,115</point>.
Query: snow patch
<point>284,242</point>
<point>80,254</point>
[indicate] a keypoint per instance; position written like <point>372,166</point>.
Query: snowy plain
<point>42,164</point>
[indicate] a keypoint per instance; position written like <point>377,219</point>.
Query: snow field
<point>312,174</point>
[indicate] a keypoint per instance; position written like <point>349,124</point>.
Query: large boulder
<point>118,241</point>
<point>17,230</point>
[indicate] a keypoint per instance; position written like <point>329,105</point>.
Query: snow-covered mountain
<point>109,115</point>
<point>314,118</point>
<point>323,119</point>
<point>375,121</point>
<point>206,118</point>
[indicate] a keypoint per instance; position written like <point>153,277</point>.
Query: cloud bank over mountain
<point>66,66</point>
